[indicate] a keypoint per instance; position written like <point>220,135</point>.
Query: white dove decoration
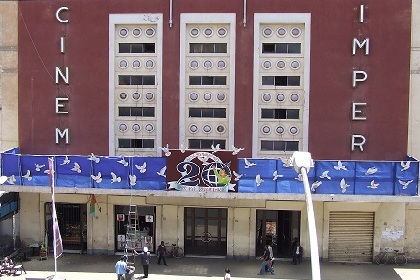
<point>315,185</point>
<point>373,185</point>
<point>405,184</point>
<point>405,165</point>
<point>133,180</point>
<point>123,162</point>
<point>299,177</point>
<point>76,168</point>
<point>11,180</point>
<point>94,158</point>
<point>340,166</point>
<point>65,161</point>
<point>115,178</point>
<point>216,148</point>
<point>47,171</point>
<point>235,150</point>
<point>162,171</point>
<point>39,166</point>
<point>237,175</point>
<point>203,159</point>
<point>27,176</point>
<point>141,168</point>
<point>258,180</point>
<point>343,185</point>
<point>325,175</point>
<point>97,178</point>
<point>371,170</point>
<point>248,164</point>
<point>276,175</point>
<point>286,162</point>
<point>166,150</point>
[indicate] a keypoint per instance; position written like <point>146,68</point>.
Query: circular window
<point>222,32</point>
<point>208,32</point>
<point>149,96</point>
<point>136,32</point>
<point>136,95</point>
<point>193,128</point>
<point>194,64</point>
<point>136,64</point>
<point>150,32</point>
<point>123,96</point>
<point>221,64</point>
<point>123,32</point>
<point>136,127</point>
<point>265,129</point>
<point>149,127</point>
<point>266,97</point>
<point>221,128</point>
<point>295,64</point>
<point>266,64</point>
<point>207,96</point>
<point>123,63</point>
<point>208,64</point>
<point>281,32</point>
<point>123,127</point>
<point>221,96</point>
<point>207,128</point>
<point>267,32</point>
<point>150,64</point>
<point>293,130</point>
<point>280,130</point>
<point>281,64</point>
<point>280,97</point>
<point>193,96</point>
<point>294,97</point>
<point>194,32</point>
<point>295,32</point>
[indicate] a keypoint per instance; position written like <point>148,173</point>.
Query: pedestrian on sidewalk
<point>227,274</point>
<point>161,252</point>
<point>145,261</point>
<point>121,268</point>
<point>266,262</point>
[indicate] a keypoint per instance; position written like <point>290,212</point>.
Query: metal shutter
<point>351,236</point>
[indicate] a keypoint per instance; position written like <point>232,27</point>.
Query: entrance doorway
<point>205,231</point>
<point>278,228</point>
<point>72,221</point>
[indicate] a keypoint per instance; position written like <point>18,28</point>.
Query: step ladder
<point>132,241</point>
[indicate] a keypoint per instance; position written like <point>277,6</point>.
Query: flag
<point>57,241</point>
<point>92,205</point>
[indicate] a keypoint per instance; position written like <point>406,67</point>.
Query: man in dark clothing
<point>145,260</point>
<point>161,252</point>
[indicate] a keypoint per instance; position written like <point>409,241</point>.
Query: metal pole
<point>316,273</point>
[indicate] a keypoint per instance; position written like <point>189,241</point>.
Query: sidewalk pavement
<point>102,267</point>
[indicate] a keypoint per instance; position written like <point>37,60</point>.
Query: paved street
<point>99,267</point>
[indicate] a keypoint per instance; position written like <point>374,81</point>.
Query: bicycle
<point>388,253</point>
<point>176,251</point>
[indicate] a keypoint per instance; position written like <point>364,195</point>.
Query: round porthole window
<point>136,32</point>
<point>150,32</point>
<point>280,130</point>
<point>208,64</point>
<point>193,128</point>
<point>207,128</point>
<point>136,64</point>
<point>208,32</point>
<point>293,130</point>
<point>281,32</point>
<point>193,96</point>
<point>280,97</point>
<point>136,127</point>
<point>281,64</point>
<point>294,97</point>
<point>267,32</point>
<point>150,64</point>
<point>123,32</point>
<point>123,127</point>
<point>265,129</point>
<point>221,64</point>
<point>222,32</point>
<point>266,64</point>
<point>266,97</point>
<point>136,96</point>
<point>149,96</point>
<point>194,64</point>
<point>295,64</point>
<point>123,95</point>
<point>123,63</point>
<point>207,96</point>
<point>149,127</point>
<point>194,32</point>
<point>221,96</point>
<point>221,128</point>
<point>295,32</point>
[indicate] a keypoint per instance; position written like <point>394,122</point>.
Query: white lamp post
<point>302,162</point>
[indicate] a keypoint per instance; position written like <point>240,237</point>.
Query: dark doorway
<point>72,221</point>
<point>277,228</point>
<point>205,231</point>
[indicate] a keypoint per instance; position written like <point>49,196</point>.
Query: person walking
<point>161,253</point>
<point>227,274</point>
<point>121,268</point>
<point>145,261</point>
<point>297,253</point>
<point>266,262</point>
